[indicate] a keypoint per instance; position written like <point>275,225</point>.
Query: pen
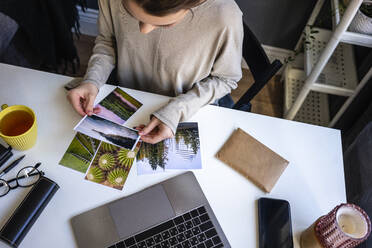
<point>11,166</point>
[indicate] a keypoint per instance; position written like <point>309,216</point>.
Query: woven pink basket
<point>346,226</point>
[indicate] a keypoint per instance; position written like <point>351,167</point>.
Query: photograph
<point>118,106</point>
<point>111,165</point>
<point>107,131</point>
<point>181,152</point>
<point>80,153</point>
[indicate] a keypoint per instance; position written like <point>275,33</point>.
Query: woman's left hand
<point>155,131</point>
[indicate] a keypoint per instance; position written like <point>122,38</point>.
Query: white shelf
<point>335,13</point>
<point>339,76</point>
<point>349,37</point>
<point>329,68</point>
<point>357,39</point>
<point>315,109</point>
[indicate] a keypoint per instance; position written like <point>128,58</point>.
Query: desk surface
<point>313,182</point>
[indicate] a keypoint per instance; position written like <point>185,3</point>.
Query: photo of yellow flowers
<point>111,165</point>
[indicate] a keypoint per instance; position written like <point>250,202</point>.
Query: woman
<point>188,49</point>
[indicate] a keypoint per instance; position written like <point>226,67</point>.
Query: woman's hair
<point>166,7</point>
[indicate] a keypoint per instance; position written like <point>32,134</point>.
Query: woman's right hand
<point>82,98</point>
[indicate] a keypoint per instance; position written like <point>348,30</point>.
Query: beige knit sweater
<point>196,61</point>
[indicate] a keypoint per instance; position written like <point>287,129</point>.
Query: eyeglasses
<point>26,177</point>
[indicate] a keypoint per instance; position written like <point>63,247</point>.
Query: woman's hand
<point>155,131</point>
<point>82,99</point>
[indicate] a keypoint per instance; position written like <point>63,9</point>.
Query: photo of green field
<point>111,165</point>
<point>118,106</point>
<point>80,153</point>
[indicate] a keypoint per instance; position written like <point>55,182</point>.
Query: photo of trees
<point>180,152</point>
<point>80,153</point>
<point>118,106</point>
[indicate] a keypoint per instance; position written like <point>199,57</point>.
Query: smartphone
<point>274,221</point>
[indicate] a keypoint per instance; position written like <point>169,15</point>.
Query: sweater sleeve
<point>225,74</point>
<point>103,59</point>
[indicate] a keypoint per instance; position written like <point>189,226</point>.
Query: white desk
<point>313,182</point>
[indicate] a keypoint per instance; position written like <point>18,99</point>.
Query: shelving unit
<point>339,76</point>
<point>329,68</point>
<point>349,37</point>
<point>312,110</point>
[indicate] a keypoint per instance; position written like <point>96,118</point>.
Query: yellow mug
<point>18,126</point>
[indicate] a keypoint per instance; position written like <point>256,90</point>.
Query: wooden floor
<point>268,102</point>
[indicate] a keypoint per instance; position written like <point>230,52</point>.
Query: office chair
<point>260,67</point>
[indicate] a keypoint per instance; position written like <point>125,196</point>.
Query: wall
<point>277,23</point>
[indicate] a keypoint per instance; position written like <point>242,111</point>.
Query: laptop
<point>173,213</point>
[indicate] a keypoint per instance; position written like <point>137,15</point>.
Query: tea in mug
<point>16,123</point>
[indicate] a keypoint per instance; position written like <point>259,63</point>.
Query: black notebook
<point>5,154</point>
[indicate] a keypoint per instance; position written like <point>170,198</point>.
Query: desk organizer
<point>28,211</point>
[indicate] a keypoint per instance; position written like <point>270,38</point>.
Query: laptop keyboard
<point>192,229</point>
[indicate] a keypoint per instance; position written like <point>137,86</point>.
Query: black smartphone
<point>274,221</point>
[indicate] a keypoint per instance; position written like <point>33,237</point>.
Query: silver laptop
<point>173,213</point>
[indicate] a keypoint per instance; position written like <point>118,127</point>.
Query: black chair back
<point>259,65</point>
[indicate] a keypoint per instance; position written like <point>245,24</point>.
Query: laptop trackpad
<point>140,211</point>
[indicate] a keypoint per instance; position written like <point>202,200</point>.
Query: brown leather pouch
<point>252,159</point>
